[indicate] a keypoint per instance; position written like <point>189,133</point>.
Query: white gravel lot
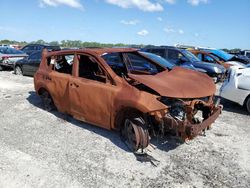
<point>42,149</point>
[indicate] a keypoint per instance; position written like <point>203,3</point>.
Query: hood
<point>178,83</point>
<point>210,67</point>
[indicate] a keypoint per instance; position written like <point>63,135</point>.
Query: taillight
<point>5,57</point>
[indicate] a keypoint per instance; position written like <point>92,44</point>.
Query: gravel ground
<point>42,149</point>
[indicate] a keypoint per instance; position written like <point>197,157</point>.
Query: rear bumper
<point>186,130</point>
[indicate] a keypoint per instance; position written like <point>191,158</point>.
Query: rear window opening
<point>61,63</point>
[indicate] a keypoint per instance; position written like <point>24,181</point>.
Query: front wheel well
<point>124,113</point>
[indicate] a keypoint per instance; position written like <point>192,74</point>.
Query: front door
<point>91,93</point>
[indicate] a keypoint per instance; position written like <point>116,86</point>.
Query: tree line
<point>70,43</point>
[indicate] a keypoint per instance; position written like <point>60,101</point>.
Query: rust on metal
<point>120,89</point>
<point>215,60</point>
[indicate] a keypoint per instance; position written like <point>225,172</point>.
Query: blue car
<point>168,64</point>
<point>184,58</point>
<point>224,56</point>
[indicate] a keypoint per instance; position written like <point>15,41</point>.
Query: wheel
<point>18,70</point>
<point>135,134</point>
<point>248,105</point>
<point>1,67</point>
<point>47,101</point>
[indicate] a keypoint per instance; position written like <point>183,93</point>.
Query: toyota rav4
<point>122,89</point>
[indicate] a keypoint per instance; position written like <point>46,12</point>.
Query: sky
<point>210,23</point>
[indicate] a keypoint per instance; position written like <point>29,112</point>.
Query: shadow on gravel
<point>166,144</point>
<point>233,107</point>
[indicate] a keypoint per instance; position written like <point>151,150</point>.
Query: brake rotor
<point>144,137</point>
<point>132,135</point>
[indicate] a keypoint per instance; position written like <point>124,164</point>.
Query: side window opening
<point>174,56</point>
<point>115,61</point>
<point>90,69</point>
<point>63,64</point>
<point>160,52</point>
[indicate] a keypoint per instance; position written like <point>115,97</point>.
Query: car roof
<point>94,51</point>
<point>162,47</point>
<point>200,51</point>
<point>41,45</point>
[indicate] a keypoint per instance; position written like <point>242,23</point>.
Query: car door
<point>91,92</point>
<point>32,64</point>
<point>57,80</point>
<point>35,63</point>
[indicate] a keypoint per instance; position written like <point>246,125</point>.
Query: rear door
<point>91,92</point>
<point>58,80</point>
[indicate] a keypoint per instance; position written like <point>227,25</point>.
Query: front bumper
<point>7,64</point>
<point>186,130</point>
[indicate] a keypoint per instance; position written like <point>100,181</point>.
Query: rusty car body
<point>121,89</point>
<point>207,57</point>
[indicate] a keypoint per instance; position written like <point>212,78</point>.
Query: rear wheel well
<point>245,102</point>
<point>42,90</point>
<point>126,113</point>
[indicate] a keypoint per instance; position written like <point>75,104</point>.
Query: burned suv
<point>121,89</point>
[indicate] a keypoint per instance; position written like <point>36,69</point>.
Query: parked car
<point>224,56</point>
<point>237,87</point>
<point>31,48</point>
<point>168,64</point>
<point>245,53</point>
<point>28,65</point>
<point>120,89</point>
<point>210,58</point>
<point>181,57</point>
<point>8,56</point>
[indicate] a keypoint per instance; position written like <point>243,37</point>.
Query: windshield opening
<point>191,57</point>
<point>159,60</point>
<point>222,54</point>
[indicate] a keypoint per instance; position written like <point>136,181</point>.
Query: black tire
<point>1,67</point>
<point>248,104</point>
<point>18,70</point>
<point>47,101</point>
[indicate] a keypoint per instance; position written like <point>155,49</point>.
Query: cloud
<point>180,31</point>
<point>159,19</point>
<point>197,2</point>
<point>196,34</point>
<point>169,30</point>
<point>55,3</point>
<point>130,22</point>
<point>171,1</point>
<point>144,5</point>
<point>143,32</point>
